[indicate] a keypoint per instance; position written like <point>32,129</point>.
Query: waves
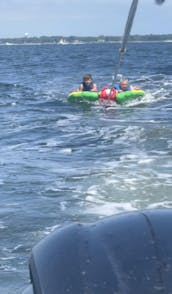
<point>63,162</point>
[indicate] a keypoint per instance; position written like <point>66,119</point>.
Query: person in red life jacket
<point>123,86</point>
<point>110,93</point>
<point>88,84</point>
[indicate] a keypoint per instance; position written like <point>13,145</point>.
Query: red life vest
<point>108,93</point>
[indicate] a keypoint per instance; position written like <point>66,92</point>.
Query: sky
<point>19,18</point>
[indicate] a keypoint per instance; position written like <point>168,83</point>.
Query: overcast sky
<point>81,18</point>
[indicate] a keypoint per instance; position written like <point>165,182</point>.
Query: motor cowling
<point>128,253</point>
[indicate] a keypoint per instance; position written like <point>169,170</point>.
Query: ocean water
<point>63,162</point>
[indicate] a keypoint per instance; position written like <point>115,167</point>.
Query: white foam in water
<point>146,161</point>
<point>66,150</point>
<point>2,226</point>
<point>1,181</point>
<point>169,144</point>
<point>93,199</point>
<point>163,204</point>
<point>8,268</point>
<point>133,157</point>
<point>132,134</point>
<point>51,229</point>
<point>148,98</point>
<point>97,203</point>
<point>8,258</point>
<point>63,205</point>
<point>92,190</point>
<point>56,143</point>
<point>109,208</point>
<point>165,176</point>
<point>52,143</point>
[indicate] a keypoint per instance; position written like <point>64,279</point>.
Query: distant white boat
<point>7,43</point>
<point>63,42</point>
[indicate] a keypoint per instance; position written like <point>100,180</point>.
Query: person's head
<point>123,84</point>
<point>87,79</point>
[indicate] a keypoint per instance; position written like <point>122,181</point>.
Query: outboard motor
<point>128,253</point>
<point>159,1</point>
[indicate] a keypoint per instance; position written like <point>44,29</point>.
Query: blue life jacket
<point>87,87</point>
<point>117,87</point>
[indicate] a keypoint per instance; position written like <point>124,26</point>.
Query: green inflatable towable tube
<point>77,96</point>
<point>125,96</point>
<point>120,98</point>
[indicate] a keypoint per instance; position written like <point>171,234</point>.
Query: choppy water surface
<point>63,162</point>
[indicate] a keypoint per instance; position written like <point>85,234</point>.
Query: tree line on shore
<point>84,39</point>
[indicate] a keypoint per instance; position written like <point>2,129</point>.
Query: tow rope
<point>127,30</point>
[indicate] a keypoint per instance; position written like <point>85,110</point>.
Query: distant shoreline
<point>82,40</point>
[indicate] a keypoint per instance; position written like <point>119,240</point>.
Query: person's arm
<point>94,88</point>
<point>80,87</point>
<point>134,88</point>
<point>117,88</point>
